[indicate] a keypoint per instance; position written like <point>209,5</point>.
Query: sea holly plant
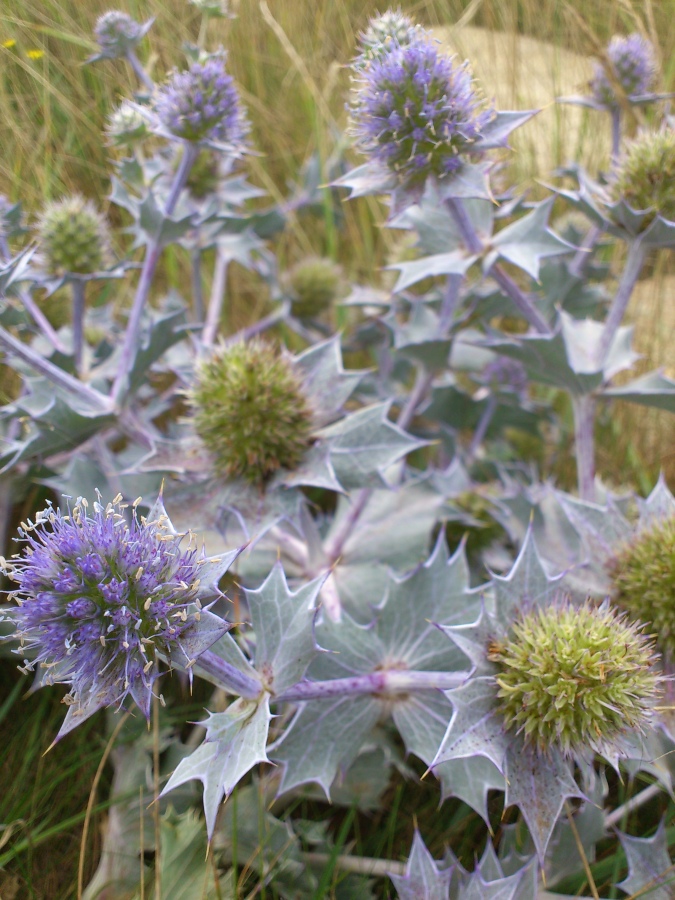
<point>359,542</point>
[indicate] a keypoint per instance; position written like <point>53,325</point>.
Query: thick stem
<point>616,136</point>
<point>42,322</point>
<point>153,252</point>
<point>631,273</point>
<point>482,427</point>
<point>419,391</point>
<point>335,547</point>
<point>78,322</point>
<point>54,374</point>
<point>227,676</point>
<point>584,444</point>
<point>450,301</point>
<point>216,299</point>
<point>582,257</point>
<point>388,681</point>
<point>197,288</point>
<point>505,282</point>
<point>140,72</point>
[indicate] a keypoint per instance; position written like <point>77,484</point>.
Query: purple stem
<point>54,374</point>
<point>482,427</point>
<point>419,391</point>
<point>583,255</point>
<point>584,444</point>
<point>227,676</point>
<point>506,283</point>
<point>197,289</point>
<point>631,273</point>
<point>140,72</point>
<point>336,546</point>
<point>450,300</point>
<point>616,136</point>
<point>154,250</point>
<point>78,322</point>
<point>388,681</point>
<point>216,299</point>
<point>42,322</point>
<point>262,325</point>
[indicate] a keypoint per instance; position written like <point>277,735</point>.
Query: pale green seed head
<point>643,577</point>
<point>126,125</point>
<point>575,678</point>
<point>251,411</point>
<point>313,284</point>
<point>646,176</point>
<point>73,237</point>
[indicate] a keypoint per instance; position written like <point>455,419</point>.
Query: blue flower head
<point>416,111</point>
<point>117,33</point>
<point>104,599</point>
<point>202,104</point>
<point>633,66</point>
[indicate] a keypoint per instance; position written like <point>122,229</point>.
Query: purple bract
<point>102,597</point>
<point>416,111</point>
<point>202,104</point>
<point>633,66</point>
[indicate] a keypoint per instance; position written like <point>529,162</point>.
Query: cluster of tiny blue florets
<point>416,111</point>
<point>117,33</point>
<point>633,66</point>
<point>202,104</point>
<point>101,597</point>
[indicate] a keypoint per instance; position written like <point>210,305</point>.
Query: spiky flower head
<point>643,578</point>
<point>575,678</point>
<point>313,284</point>
<point>126,125</point>
<point>416,112</point>
<point>103,597</point>
<point>389,29</point>
<point>633,67</point>
<point>645,178</point>
<point>117,33</point>
<point>202,104</point>
<point>73,237</point>
<point>251,411</point>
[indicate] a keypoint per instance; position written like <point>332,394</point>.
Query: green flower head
<point>251,411</point>
<point>646,176</point>
<point>643,577</point>
<point>574,678</point>
<point>73,237</point>
<point>313,284</point>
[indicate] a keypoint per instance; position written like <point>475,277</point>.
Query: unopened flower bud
<point>126,125</point>
<point>73,237</point>
<point>117,33</point>
<point>313,284</point>
<point>575,678</point>
<point>251,411</point>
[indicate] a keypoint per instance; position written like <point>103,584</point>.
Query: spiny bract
<point>73,237</point>
<point>575,677</point>
<point>313,284</point>
<point>102,598</point>
<point>646,175</point>
<point>633,67</point>
<point>251,411</point>
<point>416,112</point>
<point>643,576</point>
